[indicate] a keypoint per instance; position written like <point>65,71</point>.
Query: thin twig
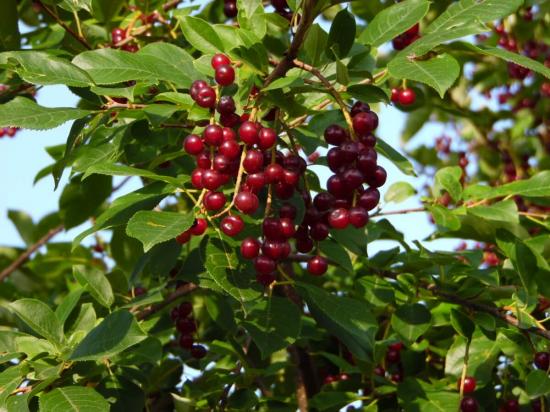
<point>54,16</point>
<point>27,254</point>
<point>177,294</point>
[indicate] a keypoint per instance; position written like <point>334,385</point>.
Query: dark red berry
<point>193,144</point>
<point>218,60</point>
<point>230,149</point>
<point>304,245</point>
<point>398,346</point>
<point>287,227</point>
<point>265,279</point>
<point>338,218</point>
<point>247,202</point>
<point>186,326</point>
<point>353,178</point>
<point>274,173</point>
<point>198,351</point>
<point>256,181</point>
<point>214,201</point>
<point>248,132</point>
<point>287,211</point>
<point>213,135</point>
<point>359,107</point>
<point>511,405</point>
<point>468,404</point>
<point>323,201</point>
<point>185,309</point>
<point>279,5</point>
<point>317,265</point>
<point>226,105</point>
<point>197,86</point>
<point>206,97</point>
<point>319,231</point>
<point>266,138</point>
<point>225,75</point>
<point>184,237</point>
<point>271,228</point>
<point>264,265</point>
<point>378,178</point>
<point>250,248</point>
<point>232,225</point>
<point>276,249</point>
<point>336,186</point>
<point>253,161</point>
<point>365,123</point>
<point>199,227</point>
<point>211,179</point>
<point>186,341</point>
<point>407,97</point>
<point>358,217</point>
<point>469,384</point>
<point>335,135</point>
<point>230,8</point>
<point>542,360</point>
<point>369,199</point>
<point>393,356</point>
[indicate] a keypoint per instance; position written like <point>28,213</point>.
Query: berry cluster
<point>119,35</point>
<point>405,96</point>
<point>182,316</point>
<point>8,131</point>
<point>410,36</point>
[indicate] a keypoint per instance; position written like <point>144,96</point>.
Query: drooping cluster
<point>405,39</point>
<point>182,316</point>
<point>119,35</point>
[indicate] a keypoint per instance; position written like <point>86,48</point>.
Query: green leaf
<point>444,217</point>
<point>439,72</point>
<point>273,324</point>
<point>411,321</point>
<point>10,379</point>
<point>418,395</point>
<point>75,5</point>
<point>96,283</point>
<point>368,93</point>
<point>505,211</point>
<point>117,332</point>
<point>252,17</point>
<point>353,239</point>
<point>224,271</point>
<point>24,225</point>
<point>10,39</point>
<point>336,253</point>
<point>344,317</point>
<point>399,191</point>
<point>393,21</point>
<point>112,169</point>
<point>287,81</point>
<point>448,178</point>
<point>315,44</point>
<point>45,69</point>
<point>462,324</point>
<point>25,113</point>
<point>395,157</point>
<point>73,399</point>
<point>152,228</point>
<point>40,318</point>
<point>201,35</point>
<point>67,305</point>
<point>537,384</point>
<point>341,35</point>
<point>536,186</point>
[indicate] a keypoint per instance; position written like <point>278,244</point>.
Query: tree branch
<point>301,393</point>
<point>178,293</point>
<point>27,254</point>
<point>54,16</point>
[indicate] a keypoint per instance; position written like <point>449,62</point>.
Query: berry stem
<point>464,369</point>
<point>237,186</point>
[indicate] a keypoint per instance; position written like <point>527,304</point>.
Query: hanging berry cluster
<point>240,153</point>
<point>182,316</point>
<point>118,36</point>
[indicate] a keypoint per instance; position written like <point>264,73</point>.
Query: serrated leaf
<point>505,211</point>
<point>273,323</point>
<point>201,35</point>
<point>344,317</point>
<point>411,321</point>
<point>117,332</point>
<point>448,178</point>
<point>25,113</point>
<point>96,283</point>
<point>399,191</point>
<point>439,72</point>
<point>152,228</point>
<point>395,157</point>
<point>536,186</point>
<point>444,217</point>
<point>45,69</point>
<point>73,399</point>
<point>341,35</point>
<point>393,21</point>
<point>252,17</point>
<point>40,318</point>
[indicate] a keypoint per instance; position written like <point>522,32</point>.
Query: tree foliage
<point>186,294</point>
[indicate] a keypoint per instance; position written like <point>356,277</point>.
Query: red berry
<point>211,179</point>
<point>336,186</point>
<point>196,86</point>
<point>338,218</point>
<point>184,237</point>
<point>196,178</point>
<point>248,132</point>
<point>230,8</point>
<point>271,228</point>
<point>468,404</point>
<point>256,181</point>
<point>379,371</point>
<point>198,351</point>
<point>225,75</point>
<point>511,405</point>
<point>226,105</point>
<point>398,346</point>
<point>214,201</point>
<point>185,309</point>
<point>218,60</point>
<point>369,199</point>
<point>206,97</point>
<point>247,202</point>
<point>266,138</point>
<point>274,173</point>
<point>287,211</point>
<point>264,265</point>
<point>290,177</point>
<point>542,360</point>
<point>199,227</point>
<point>365,122</point>
<point>407,97</point>
<point>359,107</point>
<point>186,341</point>
<point>397,377</point>
<point>229,134</point>
<point>117,35</point>
<point>203,161</point>
<point>213,135</point>
<point>232,225</point>
<point>186,326</point>
<point>287,227</point>
<point>230,149</point>
<point>276,249</point>
<point>304,245</point>
<point>469,384</point>
<point>393,356</point>
<point>250,248</point>
<point>335,135</point>
<point>395,95</point>
<point>193,144</point>
<point>317,265</point>
<point>358,217</point>
<point>265,279</point>
<point>253,161</point>
<point>319,231</point>
<point>229,119</point>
